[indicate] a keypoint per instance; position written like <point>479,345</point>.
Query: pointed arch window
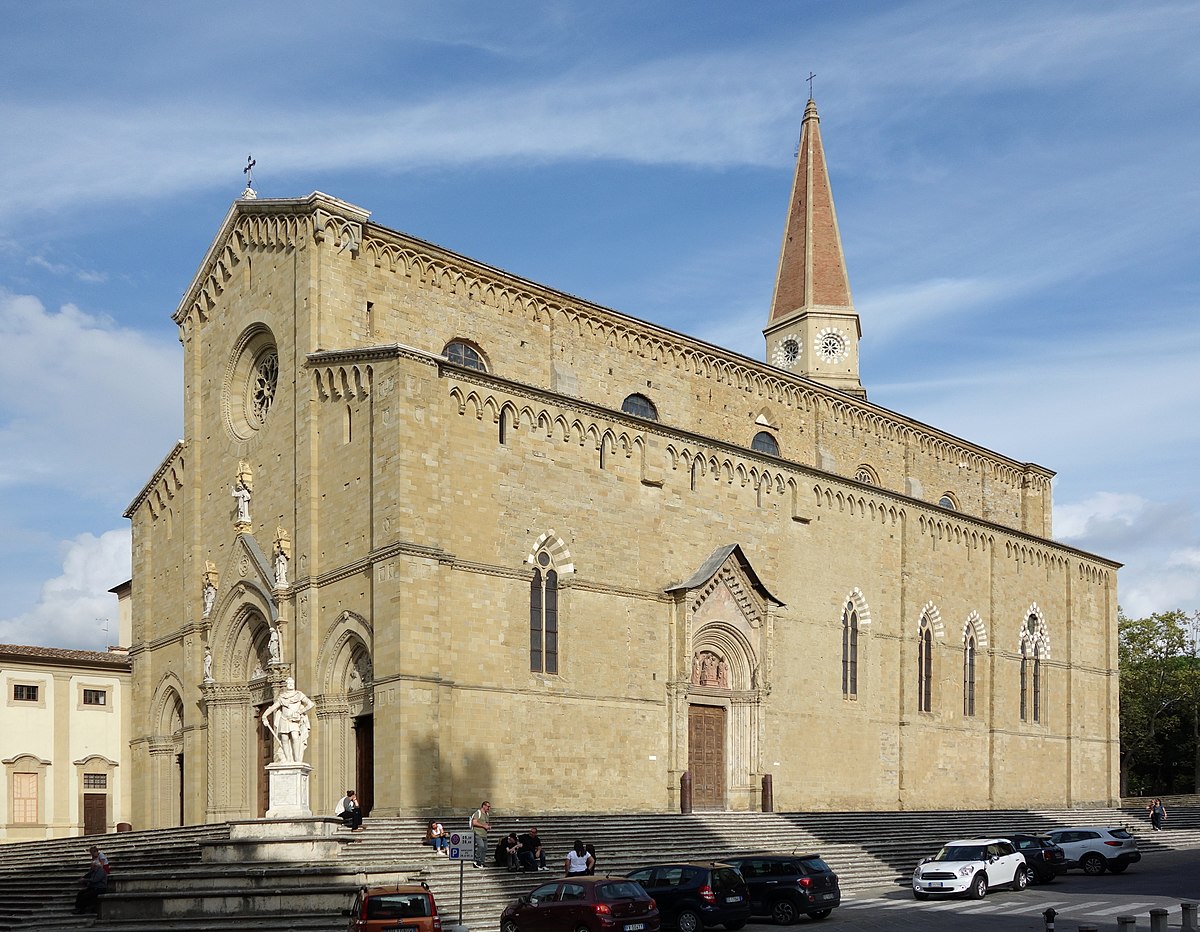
<point>464,354</point>
<point>543,616</point>
<point>969,675</point>
<point>1024,682</point>
<point>850,652</point>
<point>925,667</point>
<point>1036,690</point>
<point>1034,649</point>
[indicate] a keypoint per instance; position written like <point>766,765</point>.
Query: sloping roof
<point>714,562</point>
<point>63,655</point>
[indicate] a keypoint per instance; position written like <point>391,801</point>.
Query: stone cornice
<point>168,461</point>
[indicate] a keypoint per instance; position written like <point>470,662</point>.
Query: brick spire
<point>812,269</point>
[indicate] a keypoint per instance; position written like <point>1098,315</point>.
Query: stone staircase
<point>867,849</point>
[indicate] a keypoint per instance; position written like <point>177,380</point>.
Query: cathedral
<point>521,547</point>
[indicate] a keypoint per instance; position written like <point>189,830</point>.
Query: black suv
<point>694,896</point>
<point>1043,857</point>
<point>786,886</point>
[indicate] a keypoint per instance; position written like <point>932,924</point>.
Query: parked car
<point>787,886</point>
<point>1095,849</point>
<point>971,866</point>
<point>390,907</point>
<point>694,896</point>
<point>598,904</point>
<point>1043,857</point>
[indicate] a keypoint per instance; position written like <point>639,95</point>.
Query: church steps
<point>866,849</point>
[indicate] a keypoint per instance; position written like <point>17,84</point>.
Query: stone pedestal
<point>287,783</point>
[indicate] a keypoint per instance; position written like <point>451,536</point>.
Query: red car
<point>598,904</point>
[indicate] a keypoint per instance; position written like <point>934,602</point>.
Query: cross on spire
<point>810,81</point>
<point>248,171</point>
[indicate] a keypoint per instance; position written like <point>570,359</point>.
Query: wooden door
<point>706,755</point>
<point>266,755</point>
<point>364,762</point>
<point>95,813</point>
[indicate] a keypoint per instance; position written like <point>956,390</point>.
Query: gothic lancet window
<point>925,667</point>
<point>1024,683</point>
<point>543,616</point>
<point>1034,649</point>
<point>850,652</point>
<point>969,675</point>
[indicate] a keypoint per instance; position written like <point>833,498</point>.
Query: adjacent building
<point>519,546</point>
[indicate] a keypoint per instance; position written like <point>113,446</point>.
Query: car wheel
<point>819,913</point>
<point>509,926</point>
<point>979,887</point>
<point>920,895</point>
<point>1118,868</point>
<point>1092,864</point>
<point>784,912</point>
<point>688,921</point>
<point>1020,879</point>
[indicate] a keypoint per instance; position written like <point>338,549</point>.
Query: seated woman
<point>436,836</point>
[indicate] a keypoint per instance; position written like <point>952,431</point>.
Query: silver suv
<point>1096,848</point>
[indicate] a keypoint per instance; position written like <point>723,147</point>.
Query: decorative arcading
<point>752,605</point>
<point>857,502</point>
<point>342,382</point>
<point>1035,555</point>
<point>941,527</point>
<point>165,487</point>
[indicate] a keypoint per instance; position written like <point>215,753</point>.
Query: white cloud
<point>75,607</point>
<point>86,406</point>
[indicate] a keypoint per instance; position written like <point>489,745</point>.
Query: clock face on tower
<point>830,345</point>
<point>787,352</point>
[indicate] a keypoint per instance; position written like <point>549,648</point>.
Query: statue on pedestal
<point>287,720</point>
<point>283,552</point>
<point>208,677</point>
<point>242,490</point>
<point>209,586</point>
<point>274,648</point>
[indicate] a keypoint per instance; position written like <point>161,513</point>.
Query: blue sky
<point>1016,185</point>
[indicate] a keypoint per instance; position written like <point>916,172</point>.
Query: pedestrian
<point>349,811</point>
<point>532,855</point>
<point>436,836</point>
<point>481,824</point>
<point>1158,814</point>
<point>578,860</point>
<point>591,850</point>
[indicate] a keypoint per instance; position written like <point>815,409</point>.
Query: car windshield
<point>960,853</point>
<point>815,866</point>
<point>726,878</point>
<point>398,906</point>
<point>621,890</point>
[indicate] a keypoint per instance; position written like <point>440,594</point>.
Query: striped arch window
<point>543,615</point>
<point>925,667</point>
<point>1034,649</point>
<point>969,675</point>
<point>850,652</point>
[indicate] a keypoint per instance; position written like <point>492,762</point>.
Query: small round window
<point>765,443</point>
<point>640,406</point>
<point>464,354</point>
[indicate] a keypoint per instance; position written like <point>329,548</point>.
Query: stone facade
<point>446,449</point>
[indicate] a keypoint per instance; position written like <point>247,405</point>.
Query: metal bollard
<point>1189,918</point>
<point>1048,917</point>
<point>1126,922</point>
<point>1158,920</point>
<point>685,792</point>
<point>768,793</point>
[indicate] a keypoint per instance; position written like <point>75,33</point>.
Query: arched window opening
<point>1037,683</point>
<point>969,676</point>
<point>948,502</point>
<point>695,473</point>
<point>763,442</point>
<point>1024,684</point>
<point>504,427</point>
<point>850,652</point>
<point>925,667</point>
<point>543,617</point>
<point>464,354</point>
<point>640,406</point>
<point>866,475</point>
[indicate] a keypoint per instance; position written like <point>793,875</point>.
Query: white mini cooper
<point>971,866</point>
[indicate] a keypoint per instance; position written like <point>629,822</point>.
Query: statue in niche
<point>283,553</point>
<point>287,720</point>
<point>722,674</point>
<point>209,586</point>
<point>696,669</point>
<point>208,677</point>
<point>242,490</point>
<point>274,648</point>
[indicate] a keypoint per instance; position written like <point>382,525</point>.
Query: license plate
<point>733,899</point>
<point>935,883</point>
<point>634,926</point>
<point>827,896</point>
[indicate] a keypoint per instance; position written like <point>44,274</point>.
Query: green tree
<point>1156,698</point>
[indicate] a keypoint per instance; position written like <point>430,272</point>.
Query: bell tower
<point>813,329</point>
